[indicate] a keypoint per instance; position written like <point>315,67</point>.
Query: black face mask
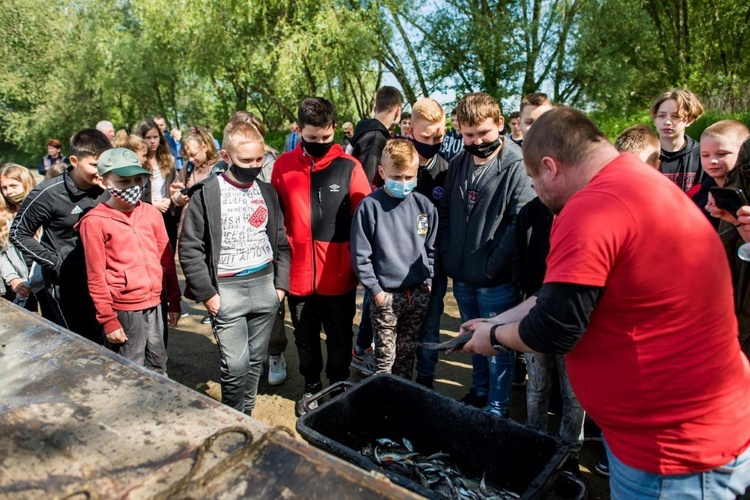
<point>484,150</point>
<point>316,149</point>
<point>426,150</point>
<point>245,175</point>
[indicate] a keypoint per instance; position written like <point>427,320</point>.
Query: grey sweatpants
<point>145,332</point>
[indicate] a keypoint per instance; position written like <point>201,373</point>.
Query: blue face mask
<point>400,189</point>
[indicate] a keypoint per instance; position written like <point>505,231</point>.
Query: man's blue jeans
<point>493,376</point>
<point>725,482</point>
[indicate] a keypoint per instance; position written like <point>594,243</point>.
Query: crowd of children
<point>93,247</point>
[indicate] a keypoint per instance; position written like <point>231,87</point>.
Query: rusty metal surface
<point>76,420</point>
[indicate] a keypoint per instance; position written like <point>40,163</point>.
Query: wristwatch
<point>496,343</point>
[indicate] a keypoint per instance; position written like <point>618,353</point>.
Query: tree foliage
<point>65,65</point>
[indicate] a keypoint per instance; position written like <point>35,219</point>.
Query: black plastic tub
<point>511,455</point>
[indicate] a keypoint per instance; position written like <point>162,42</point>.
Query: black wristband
<point>496,343</point>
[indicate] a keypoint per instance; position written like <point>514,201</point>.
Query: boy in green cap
<point>128,258</point>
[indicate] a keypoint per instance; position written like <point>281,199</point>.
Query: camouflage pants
<point>395,325</point>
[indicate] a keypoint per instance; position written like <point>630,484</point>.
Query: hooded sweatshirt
<point>128,260</point>
<point>318,197</point>
<point>683,167</point>
<point>368,142</point>
<point>476,247</point>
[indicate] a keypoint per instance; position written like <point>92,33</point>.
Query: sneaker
<point>425,381</point>
<point>603,467</point>
<point>364,362</point>
<point>184,314</point>
<point>472,399</point>
<point>310,389</point>
<point>276,369</point>
<point>206,320</point>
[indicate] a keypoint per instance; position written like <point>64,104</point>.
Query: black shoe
<point>425,381</point>
<point>472,399</point>
<point>519,371</point>
<point>568,488</point>
<point>206,320</point>
<point>310,390</point>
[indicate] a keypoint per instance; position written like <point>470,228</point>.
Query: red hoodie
<point>318,197</point>
<point>128,258</point>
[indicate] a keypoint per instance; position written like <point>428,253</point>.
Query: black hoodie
<point>368,142</point>
<point>683,167</point>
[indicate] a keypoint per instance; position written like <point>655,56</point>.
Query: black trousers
<point>75,310</point>
<point>335,314</point>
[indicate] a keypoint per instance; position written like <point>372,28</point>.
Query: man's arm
<point>32,215</point>
<point>553,326</point>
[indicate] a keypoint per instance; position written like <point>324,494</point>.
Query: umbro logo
<point>77,210</point>
<point>334,188</point>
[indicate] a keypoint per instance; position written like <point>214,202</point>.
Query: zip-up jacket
<point>368,142</point>
<point>683,167</point>
<point>56,205</point>
<point>200,240</point>
<point>319,197</point>
<point>477,248</point>
<point>128,261</point>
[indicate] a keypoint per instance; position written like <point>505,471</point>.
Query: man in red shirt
<point>630,257</point>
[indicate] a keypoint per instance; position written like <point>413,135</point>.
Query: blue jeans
<point>493,376</point>
<point>427,359</point>
<point>242,327</point>
<point>540,368</point>
<point>726,481</point>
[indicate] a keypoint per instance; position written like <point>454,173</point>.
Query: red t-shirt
<point>659,367</point>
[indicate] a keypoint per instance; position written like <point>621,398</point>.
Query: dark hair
<point>515,114</point>
<point>89,142</point>
<point>54,143</point>
<point>535,99</point>
<point>316,111</point>
<point>388,98</point>
<point>248,117</point>
<point>405,116</point>
<point>563,133</point>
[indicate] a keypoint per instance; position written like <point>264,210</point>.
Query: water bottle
<point>21,301</point>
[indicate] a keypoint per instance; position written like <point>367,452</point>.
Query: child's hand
<point>162,205</point>
<point>281,294</point>
<point>213,304</point>
<point>20,287</point>
<point>173,318</point>
<point>379,298</point>
<point>117,337</point>
<point>743,218</point>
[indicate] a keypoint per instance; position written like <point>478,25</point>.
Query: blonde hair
<point>238,133</point>
<point>473,109</point>
<point>730,129</point>
<point>640,139</point>
<point>400,153</point>
<point>689,108</point>
<point>200,135</point>
<point>8,210</point>
<point>428,110</point>
<point>121,137</point>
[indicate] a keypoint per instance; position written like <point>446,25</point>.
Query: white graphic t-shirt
<point>244,217</point>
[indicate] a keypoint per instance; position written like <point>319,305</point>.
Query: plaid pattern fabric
<point>129,195</point>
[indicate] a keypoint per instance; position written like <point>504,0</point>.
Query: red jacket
<point>318,198</point>
<point>128,258</point>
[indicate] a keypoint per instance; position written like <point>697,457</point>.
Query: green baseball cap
<point>121,161</point>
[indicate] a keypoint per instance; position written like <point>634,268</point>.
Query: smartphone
<point>184,190</point>
<point>728,198</point>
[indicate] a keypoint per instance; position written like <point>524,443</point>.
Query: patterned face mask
<point>129,195</point>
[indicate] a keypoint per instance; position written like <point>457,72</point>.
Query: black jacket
<point>368,142</point>
<point>533,227</point>
<point>431,179</point>
<point>200,240</point>
<point>56,205</point>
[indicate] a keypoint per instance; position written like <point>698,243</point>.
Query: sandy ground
<point>194,362</point>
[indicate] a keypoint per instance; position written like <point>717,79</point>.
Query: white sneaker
<point>276,369</point>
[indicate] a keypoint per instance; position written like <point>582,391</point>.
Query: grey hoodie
<point>477,248</point>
